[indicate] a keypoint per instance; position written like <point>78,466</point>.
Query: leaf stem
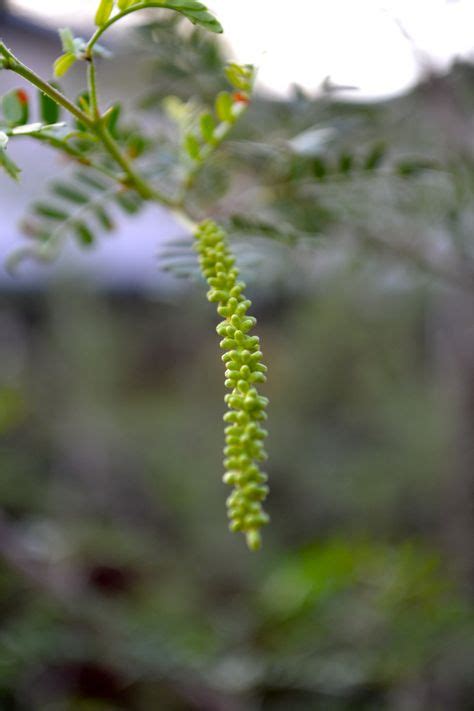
<point>123,13</point>
<point>76,155</point>
<point>206,152</point>
<point>15,65</point>
<point>94,124</point>
<point>92,85</point>
<point>133,179</point>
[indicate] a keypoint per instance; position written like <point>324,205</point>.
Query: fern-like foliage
<point>184,63</point>
<point>80,207</point>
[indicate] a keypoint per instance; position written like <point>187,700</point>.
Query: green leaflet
<point>70,192</point>
<point>6,162</point>
<point>111,118</point>
<point>224,106</point>
<point>15,107</point>
<point>73,48</point>
<point>207,126</point>
<point>79,207</point>
<point>63,64</point>
<point>50,211</point>
<point>83,234</point>
<point>124,4</point>
<point>67,40</point>
<point>196,12</point>
<point>192,147</point>
<point>103,12</point>
<point>9,166</point>
<point>49,110</point>
<point>240,76</point>
<point>244,370</point>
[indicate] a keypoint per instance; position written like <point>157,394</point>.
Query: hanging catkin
<point>244,370</point>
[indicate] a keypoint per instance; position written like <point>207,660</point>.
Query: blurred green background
<point>120,587</point>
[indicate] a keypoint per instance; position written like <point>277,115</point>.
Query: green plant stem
<point>141,185</point>
<point>95,125</point>
<point>11,62</point>
<point>92,86</point>
<point>132,178</point>
<point>123,13</point>
<point>76,155</point>
<point>206,152</point>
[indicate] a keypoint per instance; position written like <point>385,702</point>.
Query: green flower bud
<point>244,368</point>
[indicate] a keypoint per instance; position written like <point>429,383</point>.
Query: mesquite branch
<point>244,433</point>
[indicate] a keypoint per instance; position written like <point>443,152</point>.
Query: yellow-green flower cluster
<point>243,359</point>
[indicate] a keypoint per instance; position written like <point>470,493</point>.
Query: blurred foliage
<point>137,599</point>
<point>389,179</point>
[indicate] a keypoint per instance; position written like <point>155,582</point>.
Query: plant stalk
<point>12,63</point>
<point>95,125</point>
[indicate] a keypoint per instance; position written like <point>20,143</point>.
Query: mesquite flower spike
<point>246,408</point>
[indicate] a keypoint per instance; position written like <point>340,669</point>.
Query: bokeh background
<point>347,192</point>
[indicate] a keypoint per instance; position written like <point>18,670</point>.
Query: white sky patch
<point>303,41</point>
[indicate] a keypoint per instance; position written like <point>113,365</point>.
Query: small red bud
<point>241,98</point>
<point>22,96</point>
